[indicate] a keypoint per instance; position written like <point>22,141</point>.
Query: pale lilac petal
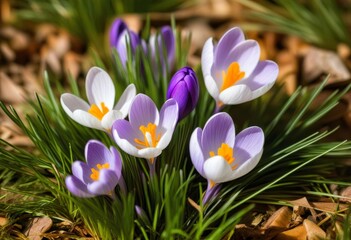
<point>236,94</point>
<point>116,29</point>
<point>116,162</point>
<point>81,171</point>
<point>212,86</point>
<point>167,37</point>
<point>96,153</point>
<point>168,116</point>
<point>109,118</point>
<point>143,111</point>
<point>266,73</point>
<point>217,169</point>
<point>246,53</point>
<point>107,182</point>
<point>86,119</point>
<point>246,167</point>
<point>124,136</point>
<point>251,140</point>
<point>196,154</point>
<point>100,88</point>
<point>207,57</point>
<point>77,187</point>
<point>218,129</point>
<point>149,153</point>
<point>70,103</point>
<point>165,139</point>
<point>226,44</point>
<point>126,100</point>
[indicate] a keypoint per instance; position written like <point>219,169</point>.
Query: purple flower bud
<point>120,35</point>
<point>184,88</point>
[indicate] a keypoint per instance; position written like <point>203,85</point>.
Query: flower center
<point>227,153</point>
<point>97,112</point>
<point>233,75</point>
<point>95,174</point>
<point>150,138</point>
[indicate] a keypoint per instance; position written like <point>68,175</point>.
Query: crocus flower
<point>232,71</point>
<point>220,156</point>
<point>100,112</point>
<point>165,40</point>
<point>184,88</point>
<point>120,36</point>
<point>99,175</point>
<point>148,131</point>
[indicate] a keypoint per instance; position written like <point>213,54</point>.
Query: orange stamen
<point>150,138</point>
<point>226,152</point>
<point>97,112</point>
<point>95,174</point>
<point>233,75</point>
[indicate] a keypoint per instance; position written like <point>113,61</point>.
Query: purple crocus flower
<point>232,71</point>
<point>184,88</point>
<point>99,175</point>
<point>165,40</point>
<point>148,131</point>
<point>220,156</point>
<point>120,35</point>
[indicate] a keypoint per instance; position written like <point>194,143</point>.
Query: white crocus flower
<point>100,111</point>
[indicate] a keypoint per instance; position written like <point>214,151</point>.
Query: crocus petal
<point>143,111</point>
<point>212,86</point>
<point>81,171</point>
<point>116,29</point>
<point>100,88</point>
<point>77,187</point>
<point>236,94</point>
<point>168,121</point>
<point>70,103</point>
<point>124,136</point>
<point>126,100</point>
<point>218,129</point>
<point>263,78</point>
<point>116,162</point>
<point>167,37</point>
<point>248,151</point>
<point>207,57</point>
<point>149,153</point>
<point>227,42</point>
<point>217,169</point>
<point>86,119</point>
<point>196,154</point>
<point>107,182</point>
<point>110,118</point>
<point>250,140</point>
<point>96,153</point>
<point>246,53</point>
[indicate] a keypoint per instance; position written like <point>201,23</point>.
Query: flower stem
<point>212,191</point>
<point>152,166</point>
<point>112,195</point>
<point>218,108</point>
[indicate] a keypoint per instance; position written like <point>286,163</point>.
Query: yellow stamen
<point>150,138</point>
<point>226,152</point>
<point>97,112</point>
<point>95,174</point>
<point>233,75</point>
<point>212,184</point>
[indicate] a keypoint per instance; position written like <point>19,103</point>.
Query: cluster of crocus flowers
<point>148,131</point>
<point>220,156</point>
<point>99,175</point>
<point>232,70</point>
<point>184,88</point>
<point>100,111</point>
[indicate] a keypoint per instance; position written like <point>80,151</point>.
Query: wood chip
<point>3,221</point>
<point>9,91</point>
<point>37,227</point>
<point>297,233</point>
<point>346,193</point>
<point>280,219</point>
<point>314,232</point>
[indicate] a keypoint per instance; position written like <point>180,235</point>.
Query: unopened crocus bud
<point>120,36</point>
<point>184,88</point>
